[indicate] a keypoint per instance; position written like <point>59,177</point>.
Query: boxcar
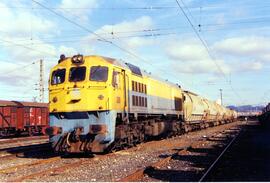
<point>18,118</point>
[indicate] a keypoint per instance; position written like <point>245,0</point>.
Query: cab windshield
<point>77,74</point>
<point>99,73</point>
<point>58,76</point>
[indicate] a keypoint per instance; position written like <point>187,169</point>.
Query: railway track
<point>10,148</point>
<point>54,170</point>
<point>22,139</point>
<point>24,148</point>
<point>20,166</point>
<point>138,175</point>
<point>22,151</point>
<point>218,158</point>
<point>58,166</point>
<point>47,171</point>
<point>22,144</point>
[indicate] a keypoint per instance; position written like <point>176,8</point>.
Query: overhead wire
<point>100,38</point>
<point>153,35</point>
<point>97,8</point>
<point>88,30</point>
<point>18,68</point>
<point>135,8</point>
<point>26,47</point>
<point>204,43</point>
<point>189,11</point>
<point>149,35</point>
<point>201,40</point>
<point>160,29</point>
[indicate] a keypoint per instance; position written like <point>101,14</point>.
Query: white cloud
<point>80,9</point>
<point>201,66</point>
<point>22,23</point>
<point>244,46</point>
<point>144,22</point>
<point>68,51</point>
<point>27,52</point>
<point>238,54</point>
<point>186,50</point>
<point>23,74</point>
<point>249,66</point>
<point>130,43</point>
<point>189,56</point>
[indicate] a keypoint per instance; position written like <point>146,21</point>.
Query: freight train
<point>99,103</point>
<point>17,118</point>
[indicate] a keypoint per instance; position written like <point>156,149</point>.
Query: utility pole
<point>41,81</point>
<point>221,96</point>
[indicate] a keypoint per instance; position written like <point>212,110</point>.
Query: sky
<point>213,45</point>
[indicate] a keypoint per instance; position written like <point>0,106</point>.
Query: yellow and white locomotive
<point>99,103</point>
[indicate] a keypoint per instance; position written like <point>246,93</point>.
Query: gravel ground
<point>17,173</point>
<point>247,159</point>
<point>118,165</point>
<point>191,164</point>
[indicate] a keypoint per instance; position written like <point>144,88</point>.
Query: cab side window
<point>58,76</point>
<point>116,79</point>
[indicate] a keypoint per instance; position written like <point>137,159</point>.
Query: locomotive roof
<point>22,104</point>
<point>130,67</point>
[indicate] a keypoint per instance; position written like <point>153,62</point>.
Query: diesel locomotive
<point>98,103</point>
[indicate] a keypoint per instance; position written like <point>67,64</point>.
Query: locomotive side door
<point>119,91</point>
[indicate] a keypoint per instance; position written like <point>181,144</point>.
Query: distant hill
<point>246,108</point>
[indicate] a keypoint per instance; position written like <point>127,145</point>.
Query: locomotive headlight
<point>77,59</point>
<point>101,97</point>
<point>80,58</point>
<point>74,59</point>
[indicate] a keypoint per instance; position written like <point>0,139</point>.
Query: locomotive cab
<point>86,94</point>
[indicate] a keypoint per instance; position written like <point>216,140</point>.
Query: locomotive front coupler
<point>76,133</point>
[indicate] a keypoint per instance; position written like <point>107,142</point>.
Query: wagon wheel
<point>30,132</point>
<point>18,133</point>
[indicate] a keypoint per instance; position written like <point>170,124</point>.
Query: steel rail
<point>22,139</point>
<point>218,158</point>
